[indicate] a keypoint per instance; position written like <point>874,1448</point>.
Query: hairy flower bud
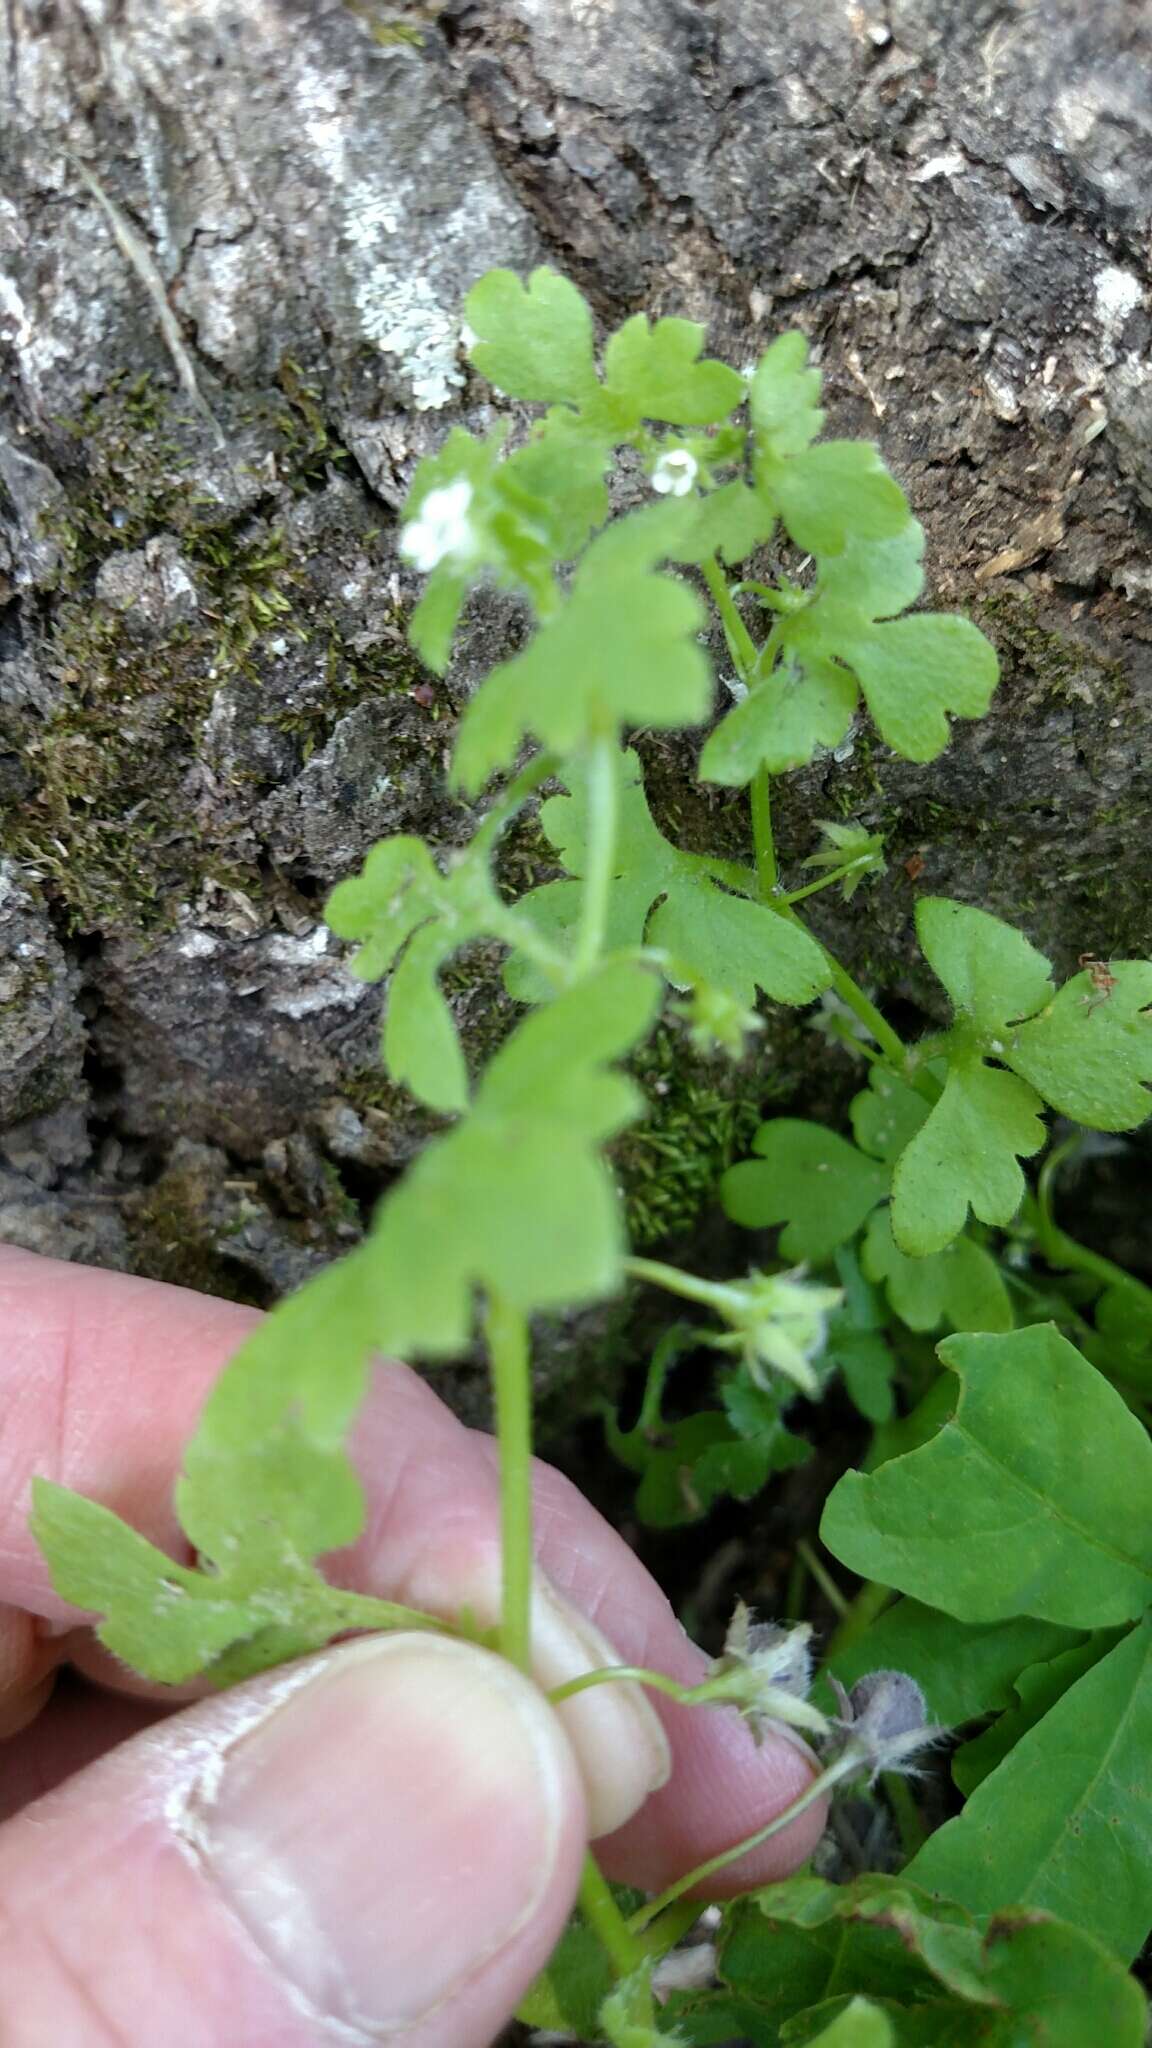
<point>884,1721</point>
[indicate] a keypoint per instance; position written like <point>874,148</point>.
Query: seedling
<point>1013,1520</point>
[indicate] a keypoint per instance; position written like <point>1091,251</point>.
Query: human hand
<point>383,1839</point>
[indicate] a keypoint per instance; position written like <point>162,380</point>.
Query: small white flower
<point>675,473</point>
<point>441,529</point>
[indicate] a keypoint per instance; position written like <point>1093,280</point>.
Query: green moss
<point>1047,664</point>
<point>108,826</point>
<point>700,1119</point>
<point>384,28</point>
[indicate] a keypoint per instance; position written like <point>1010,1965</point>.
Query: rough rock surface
<point>233,244</point>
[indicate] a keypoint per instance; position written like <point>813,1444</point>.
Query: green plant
<point>1013,1526</point>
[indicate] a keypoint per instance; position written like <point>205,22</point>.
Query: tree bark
<point>234,240</point>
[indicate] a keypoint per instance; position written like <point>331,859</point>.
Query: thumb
<point>386,1839</point>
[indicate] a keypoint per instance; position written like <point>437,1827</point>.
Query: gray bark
<point>234,240</point>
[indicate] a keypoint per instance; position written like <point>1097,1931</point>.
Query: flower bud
<point>884,1721</point>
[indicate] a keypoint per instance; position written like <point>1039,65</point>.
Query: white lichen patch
<point>1118,293</point>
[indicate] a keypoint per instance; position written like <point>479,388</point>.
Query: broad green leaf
<point>780,723</point>
<point>1037,1689</point>
<point>961,1284</point>
<point>808,1178</point>
<point>712,937</point>
<point>653,373</point>
<point>784,398</point>
<point>623,648</point>
<point>868,1366</point>
<point>860,2025</point>
<point>433,622</point>
<point>965,1156</point>
<point>1090,1054</point>
<point>422,1050</point>
<point>917,671</point>
<point>963,1669</point>
<point>516,1200</point>
<point>990,970</point>
<point>1031,1499</point>
<point>266,1489</point>
<point>1024,1981</point>
<point>1057,1986</point>
<point>1123,1347</point>
<point>533,341</point>
<point>1064,1823</point>
<point>732,944</point>
<point>566,1997</point>
<point>887,1114</point>
<point>833,493</point>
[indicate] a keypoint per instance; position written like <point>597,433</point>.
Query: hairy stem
<point>602,788</point>
<point>508,1351</point>
<point>846,1766</point>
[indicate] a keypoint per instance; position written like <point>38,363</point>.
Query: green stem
<point>868,1603</point>
<point>1056,1246</point>
<point>826,882</point>
<point>508,1350</point>
<point>636,1674</point>
<point>850,992</point>
<point>825,1581</point>
<point>671,1928</point>
<point>600,859</point>
<point>846,1766</point>
<point>741,645</point>
<point>909,1820</point>
<point>709,1293</point>
<point>1070,1255</point>
<point>604,1917</point>
<point>763,841</point>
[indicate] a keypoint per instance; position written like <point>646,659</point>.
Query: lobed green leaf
<point>532,341</point>
<point>809,1179</point>
<point>1090,1053</point>
<point>622,649</point>
<point>964,1157</point>
<point>516,1200</point>
<point>652,372</point>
